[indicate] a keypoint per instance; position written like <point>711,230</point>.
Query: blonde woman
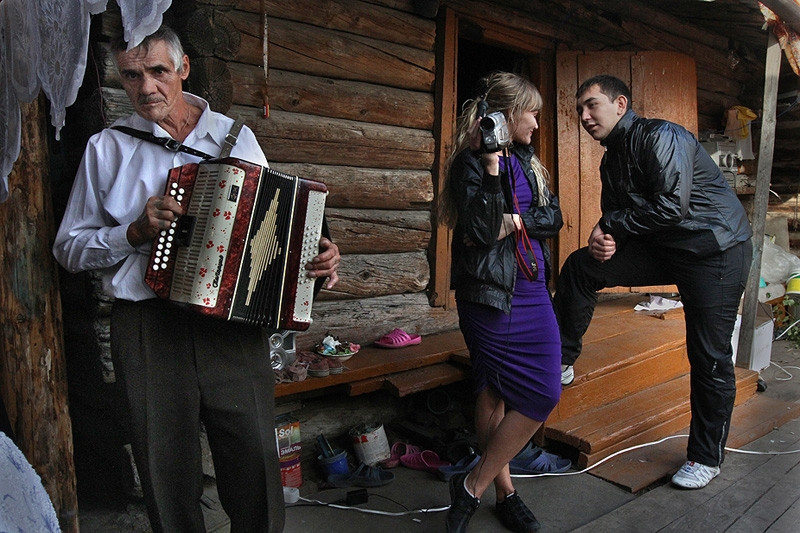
<point>501,212</point>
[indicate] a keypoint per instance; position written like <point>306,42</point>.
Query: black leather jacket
<point>485,273</point>
<point>660,184</point>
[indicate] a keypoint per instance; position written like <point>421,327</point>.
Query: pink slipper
<point>397,338</point>
<point>398,450</point>
<point>424,460</point>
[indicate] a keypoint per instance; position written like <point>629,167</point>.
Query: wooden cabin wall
<point>348,95</point>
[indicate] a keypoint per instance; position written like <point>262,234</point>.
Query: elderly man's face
<point>151,81</point>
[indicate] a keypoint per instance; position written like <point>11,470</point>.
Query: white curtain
<point>43,45</point>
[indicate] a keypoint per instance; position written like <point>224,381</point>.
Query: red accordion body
<point>239,251</point>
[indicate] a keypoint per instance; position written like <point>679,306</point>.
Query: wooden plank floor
<point>754,493</point>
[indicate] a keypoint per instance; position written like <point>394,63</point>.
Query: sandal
<point>397,338</point>
<point>464,465</point>
<point>363,476</point>
<point>425,460</point>
<point>398,450</point>
<point>535,460</point>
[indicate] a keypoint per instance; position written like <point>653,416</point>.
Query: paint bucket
<point>370,443</point>
<point>287,437</point>
<point>336,464</point>
<point>793,283</point>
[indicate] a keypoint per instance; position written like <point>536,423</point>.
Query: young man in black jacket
<point>668,217</point>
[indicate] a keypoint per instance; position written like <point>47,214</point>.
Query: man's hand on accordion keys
<point>158,214</point>
<point>326,263</point>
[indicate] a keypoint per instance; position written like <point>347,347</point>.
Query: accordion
<point>239,251</point>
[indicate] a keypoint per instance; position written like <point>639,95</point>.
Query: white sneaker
<point>694,475</point>
<point>567,374</point>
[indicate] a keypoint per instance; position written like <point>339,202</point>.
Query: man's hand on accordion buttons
<point>158,214</point>
<point>325,264</point>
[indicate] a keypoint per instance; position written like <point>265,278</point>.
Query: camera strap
<point>527,262</point>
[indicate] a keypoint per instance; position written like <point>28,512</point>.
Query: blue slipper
<point>534,460</point>
<point>464,465</point>
<point>363,476</point>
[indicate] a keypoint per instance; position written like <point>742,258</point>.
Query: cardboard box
<point>287,437</point>
<point>761,352</point>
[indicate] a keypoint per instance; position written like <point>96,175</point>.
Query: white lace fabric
<point>43,45</point>
<point>24,504</point>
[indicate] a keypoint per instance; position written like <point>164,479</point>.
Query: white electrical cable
<point>440,509</point>
<point>783,369</point>
<point>373,511</point>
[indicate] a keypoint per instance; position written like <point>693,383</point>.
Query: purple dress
<point>518,355</point>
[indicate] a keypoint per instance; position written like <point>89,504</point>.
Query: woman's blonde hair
<point>508,93</point>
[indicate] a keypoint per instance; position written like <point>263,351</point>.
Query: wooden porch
<point>631,387</point>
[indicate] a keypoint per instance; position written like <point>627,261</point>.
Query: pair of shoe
<point>693,475</point>
<point>512,511</point>
<point>363,476</point>
<point>567,374</point>
<point>427,460</point>
<point>320,366</point>
<point>534,460</point>
<point>398,450</point>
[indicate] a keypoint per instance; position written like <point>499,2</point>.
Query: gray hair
<point>163,34</point>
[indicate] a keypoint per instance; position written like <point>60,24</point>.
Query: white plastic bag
<point>776,263</point>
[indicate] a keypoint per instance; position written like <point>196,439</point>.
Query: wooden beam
<point>33,367</point>
<point>760,200</point>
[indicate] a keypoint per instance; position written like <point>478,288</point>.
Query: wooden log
<point>293,137</point>
<point>365,320</point>
<point>208,32</point>
<point>367,102</point>
<point>33,372</point>
<point>379,231</point>
<point>370,275</point>
<point>359,18</point>
<point>211,79</point>
<point>365,188</point>
<point>303,48</point>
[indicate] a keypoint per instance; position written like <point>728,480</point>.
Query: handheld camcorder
<point>494,129</point>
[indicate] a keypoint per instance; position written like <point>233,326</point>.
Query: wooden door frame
<point>541,54</point>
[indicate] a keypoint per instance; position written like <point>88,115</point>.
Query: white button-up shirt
<point>117,174</point>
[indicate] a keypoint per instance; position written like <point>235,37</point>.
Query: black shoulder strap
<point>167,142</point>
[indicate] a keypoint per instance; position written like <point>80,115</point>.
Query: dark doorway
<point>476,60</point>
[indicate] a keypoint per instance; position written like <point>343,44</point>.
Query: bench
<point>401,371</point>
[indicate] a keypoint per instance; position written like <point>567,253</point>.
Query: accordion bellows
<point>239,251</point>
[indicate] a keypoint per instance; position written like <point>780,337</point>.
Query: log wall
<point>346,98</point>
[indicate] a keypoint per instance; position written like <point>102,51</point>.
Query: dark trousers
<point>710,289</point>
<point>177,369</point>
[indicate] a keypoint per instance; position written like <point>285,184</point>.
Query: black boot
<point>462,505</point>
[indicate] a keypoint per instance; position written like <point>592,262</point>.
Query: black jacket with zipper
<point>485,271</point>
<point>660,184</point>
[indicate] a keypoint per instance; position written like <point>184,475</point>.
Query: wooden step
<point>624,352</point>
<point>410,381</point>
<point>638,370</point>
<point>645,416</point>
<point>372,363</point>
<point>425,378</point>
<point>638,469</point>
